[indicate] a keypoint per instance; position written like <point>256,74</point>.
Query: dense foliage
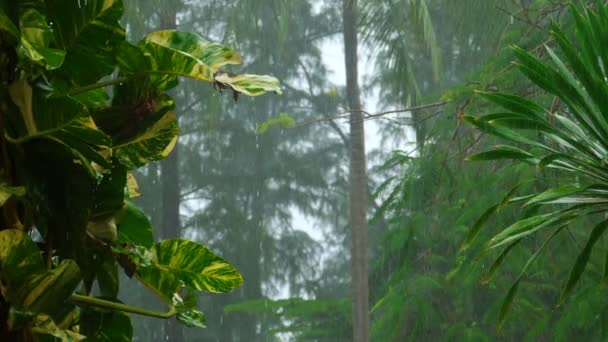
<point>81,109</point>
<point>569,136</point>
<point>264,182</point>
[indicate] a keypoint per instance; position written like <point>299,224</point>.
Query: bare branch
<point>367,115</point>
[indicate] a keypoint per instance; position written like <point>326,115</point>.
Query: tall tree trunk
<point>358,179</point>
<point>171,225</point>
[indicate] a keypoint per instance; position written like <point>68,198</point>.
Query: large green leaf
<point>203,58</point>
<point>28,285</point>
<point>36,38</point>
<point>168,54</point>
<point>90,33</point>
<point>154,140</point>
<point>49,292</point>
<point>179,263</point>
<point>61,119</point>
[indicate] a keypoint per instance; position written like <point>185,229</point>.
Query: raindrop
<point>79,4</point>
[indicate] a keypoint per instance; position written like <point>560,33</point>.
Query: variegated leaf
<point>165,55</point>
<point>36,37</point>
<point>48,291</point>
<point>250,85</point>
<point>20,260</point>
<point>154,142</point>
<point>59,118</point>
<point>179,263</point>
<point>199,55</point>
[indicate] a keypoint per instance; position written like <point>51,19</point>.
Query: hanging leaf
<point>167,54</point>
<point>250,85</point>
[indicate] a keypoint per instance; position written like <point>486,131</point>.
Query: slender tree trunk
<point>358,179</point>
<point>171,225</point>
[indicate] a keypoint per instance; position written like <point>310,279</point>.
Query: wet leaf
<point>179,263</point>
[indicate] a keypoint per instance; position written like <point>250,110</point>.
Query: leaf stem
<point>97,85</point>
<point>106,304</point>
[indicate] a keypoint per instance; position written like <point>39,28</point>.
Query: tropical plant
<point>80,109</point>
<point>570,137</point>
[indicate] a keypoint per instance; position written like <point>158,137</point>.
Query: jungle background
<point>273,199</point>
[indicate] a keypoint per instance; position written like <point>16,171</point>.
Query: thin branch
<point>515,16</point>
<point>367,115</point>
